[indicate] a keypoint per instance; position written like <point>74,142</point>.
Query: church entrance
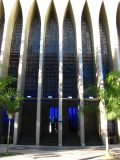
<point>49,122</point>
<point>70,123</point>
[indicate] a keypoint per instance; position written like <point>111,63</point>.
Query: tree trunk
<point>107,144</point>
<point>8,137</point>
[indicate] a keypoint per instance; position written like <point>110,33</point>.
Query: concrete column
<point>80,81</point>
<point>80,95</point>
<point>60,84</point>
<point>39,95</point>
<point>118,123</point>
<point>20,83</point>
<point>10,10</point>
<point>16,125</point>
<point>82,125</point>
<point>100,83</point>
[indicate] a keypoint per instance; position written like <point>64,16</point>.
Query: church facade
<point>57,49</point>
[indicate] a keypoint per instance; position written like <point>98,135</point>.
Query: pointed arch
<point>69,55</point>
<point>50,78</point>
<point>33,50</point>
<point>118,23</point>
<point>15,44</point>
<point>29,106</point>
<point>14,62</point>
<point>69,40</point>
<point>51,8</point>
<point>87,48</point>
<point>51,59</point>
<point>51,40</point>
<point>87,36</point>
<point>2,21</point>
<point>105,41</point>
<point>89,71</point>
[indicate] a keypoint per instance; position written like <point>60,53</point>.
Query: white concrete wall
<point>27,6</point>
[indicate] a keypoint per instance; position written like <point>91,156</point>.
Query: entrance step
<point>93,140</point>
<point>71,139</point>
<point>26,140</point>
<point>50,139</point>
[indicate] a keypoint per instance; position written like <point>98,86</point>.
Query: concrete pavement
<point>58,153</point>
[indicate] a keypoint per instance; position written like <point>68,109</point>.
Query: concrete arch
<point>86,12</point>
<point>61,10</point>
<point>70,10</point>
<point>32,11</point>
<point>103,14</point>
<point>118,22</point>
<point>13,13</point>
<point>51,7</point>
<point>25,35</point>
<point>2,11</point>
<point>8,31</point>
<point>118,13</point>
<point>2,21</point>
<point>104,19</point>
<point>29,16</point>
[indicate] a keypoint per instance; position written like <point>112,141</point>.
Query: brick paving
<point>58,153</point>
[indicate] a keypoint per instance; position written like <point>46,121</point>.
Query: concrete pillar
<point>60,88</point>
<point>100,81</point>
<point>81,96</point>
<point>81,132</point>
<point>118,123</point>
<point>21,73</point>
<point>10,17</point>
<point>82,125</point>
<point>39,95</point>
<point>16,125</point>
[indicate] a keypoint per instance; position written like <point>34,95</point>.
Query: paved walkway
<point>58,153</point>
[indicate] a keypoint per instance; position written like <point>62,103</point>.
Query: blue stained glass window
<point>87,54</point>
<point>53,114</point>
<point>50,67</point>
<point>105,51</point>
<point>72,111</point>
<point>32,62</point>
<point>69,58</point>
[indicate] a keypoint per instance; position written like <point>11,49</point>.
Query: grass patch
<point>9,154</point>
<point>109,157</point>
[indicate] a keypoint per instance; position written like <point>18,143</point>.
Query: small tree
<point>5,82</point>
<point>12,99</point>
<point>110,97</point>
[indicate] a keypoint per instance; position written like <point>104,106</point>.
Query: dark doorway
<point>91,117</point>
<point>70,123</point>
<point>27,133</point>
<point>112,132</point>
<point>49,122</point>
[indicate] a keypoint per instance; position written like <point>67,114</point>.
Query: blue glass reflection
<point>53,114</point>
<point>72,117</point>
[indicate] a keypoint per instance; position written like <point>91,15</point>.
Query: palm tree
<point>12,99</point>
